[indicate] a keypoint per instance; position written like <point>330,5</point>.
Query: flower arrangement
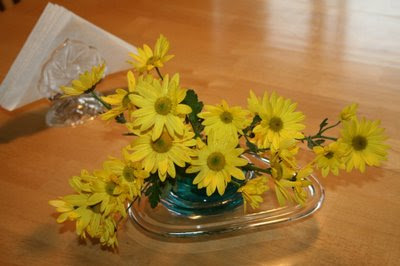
<point>176,134</point>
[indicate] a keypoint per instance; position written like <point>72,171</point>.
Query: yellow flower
<point>104,188</point>
<point>349,112</point>
<point>120,101</point>
<point>108,192</point>
<point>254,102</point>
<point>279,121</point>
<point>216,163</point>
<point>161,155</point>
<point>131,174</point>
<point>88,216</point>
<point>68,205</point>
<point>86,82</point>
<point>159,105</point>
<point>225,121</point>
<point>364,140</point>
<point>330,158</point>
<point>147,59</point>
<point>289,183</point>
<point>252,191</point>
<point>79,208</point>
<point>289,180</point>
<point>83,182</point>
<point>286,152</point>
<point>280,169</point>
<point>108,233</point>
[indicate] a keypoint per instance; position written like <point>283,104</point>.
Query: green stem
<point>323,137</point>
<point>325,129</point>
<point>159,73</point>
<point>257,169</point>
<point>106,105</point>
<point>319,134</point>
<point>258,150</point>
<point>127,209</point>
<point>236,183</point>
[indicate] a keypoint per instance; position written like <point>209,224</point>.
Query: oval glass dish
<point>168,221</point>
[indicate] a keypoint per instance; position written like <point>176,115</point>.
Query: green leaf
<point>323,124</point>
<point>319,142</point>
<point>256,120</point>
<point>310,143</point>
<point>252,147</point>
<point>192,100</point>
<point>166,189</point>
<point>153,192</point>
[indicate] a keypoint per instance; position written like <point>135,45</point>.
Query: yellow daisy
<point>108,233</point>
<point>349,112</point>
<point>289,184</point>
<point>225,121</point>
<point>147,59</point>
<point>255,103</point>
<point>280,169</point>
<point>86,82</point>
<point>159,105</point>
<point>78,208</point>
<point>120,101</point>
<point>286,152</point>
<point>330,158</point>
<point>83,182</point>
<point>131,174</point>
<point>108,192</point>
<point>216,163</point>
<point>279,121</point>
<point>252,191</point>
<point>162,154</point>
<point>364,140</point>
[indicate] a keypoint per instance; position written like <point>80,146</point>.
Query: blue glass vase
<point>186,199</point>
<point>187,211</point>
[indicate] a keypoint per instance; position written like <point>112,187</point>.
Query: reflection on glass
<point>65,64</point>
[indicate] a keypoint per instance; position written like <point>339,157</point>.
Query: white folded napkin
<point>55,25</point>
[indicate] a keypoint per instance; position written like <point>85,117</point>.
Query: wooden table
<point>322,54</point>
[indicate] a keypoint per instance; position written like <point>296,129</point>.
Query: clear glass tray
<point>163,222</point>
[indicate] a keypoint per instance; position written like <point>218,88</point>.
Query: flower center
<point>151,60</point>
<point>110,186</point>
<point>359,143</point>
<point>226,117</point>
<point>163,105</point>
<point>162,144</point>
<point>127,173</point>
<point>96,208</point>
<point>275,124</point>
<point>216,161</point>
<point>329,155</point>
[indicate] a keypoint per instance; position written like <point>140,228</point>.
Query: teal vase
<point>185,199</point>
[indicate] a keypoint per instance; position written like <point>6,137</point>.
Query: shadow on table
<point>356,178</point>
<point>24,124</point>
<point>38,242</point>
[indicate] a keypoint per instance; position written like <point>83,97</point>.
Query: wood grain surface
<point>321,54</point>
